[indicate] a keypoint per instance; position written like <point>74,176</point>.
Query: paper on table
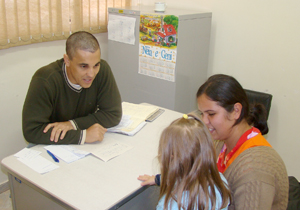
<point>39,164</point>
<point>111,150</point>
<point>32,159</point>
<point>133,119</point>
<point>124,124</point>
<point>66,153</point>
<point>138,113</point>
<point>27,153</point>
<point>107,149</point>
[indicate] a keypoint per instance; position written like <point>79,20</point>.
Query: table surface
<point>91,183</point>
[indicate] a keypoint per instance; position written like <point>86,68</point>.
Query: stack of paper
<point>107,149</point>
<point>32,159</point>
<point>133,119</point>
<point>66,153</point>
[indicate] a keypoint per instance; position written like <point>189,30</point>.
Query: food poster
<point>158,45</point>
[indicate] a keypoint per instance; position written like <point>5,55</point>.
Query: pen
<point>53,156</point>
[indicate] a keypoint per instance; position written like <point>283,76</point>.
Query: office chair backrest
<point>260,97</point>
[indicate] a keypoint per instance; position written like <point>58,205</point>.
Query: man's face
<point>83,68</point>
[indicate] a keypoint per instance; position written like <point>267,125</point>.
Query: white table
<point>90,183</point>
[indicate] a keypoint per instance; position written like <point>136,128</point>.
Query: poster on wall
<point>121,29</point>
<point>158,45</point>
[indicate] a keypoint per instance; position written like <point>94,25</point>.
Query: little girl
<point>189,175</point>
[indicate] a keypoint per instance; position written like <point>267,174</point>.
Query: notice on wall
<point>158,45</point>
<point>121,29</point>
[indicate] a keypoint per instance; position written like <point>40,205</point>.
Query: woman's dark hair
<point>258,117</point>
<point>227,91</point>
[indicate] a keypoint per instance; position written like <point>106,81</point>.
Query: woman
<point>255,172</point>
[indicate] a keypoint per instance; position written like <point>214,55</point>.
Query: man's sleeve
<point>109,108</point>
<point>37,111</point>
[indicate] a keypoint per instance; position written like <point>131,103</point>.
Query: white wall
<point>255,41</point>
<point>258,42</point>
<point>18,64</point>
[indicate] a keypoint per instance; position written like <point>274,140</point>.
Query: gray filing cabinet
<point>191,64</point>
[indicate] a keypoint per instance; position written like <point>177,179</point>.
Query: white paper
<point>27,154</point>
<point>66,153</point>
<point>124,125</point>
<point>125,122</point>
<point>121,29</point>
<point>107,149</point>
<point>111,150</point>
<point>32,159</point>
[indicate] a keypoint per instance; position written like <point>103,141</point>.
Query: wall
<point>18,64</point>
<point>255,41</point>
<point>258,43</point>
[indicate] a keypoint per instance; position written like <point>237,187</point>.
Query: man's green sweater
<point>51,98</point>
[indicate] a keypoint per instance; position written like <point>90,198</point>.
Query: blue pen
<point>53,156</point>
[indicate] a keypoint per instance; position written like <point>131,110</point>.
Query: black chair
<point>260,97</point>
<point>294,194</point>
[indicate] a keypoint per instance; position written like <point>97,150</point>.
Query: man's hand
<point>59,130</point>
<point>95,133</point>
<point>147,180</point>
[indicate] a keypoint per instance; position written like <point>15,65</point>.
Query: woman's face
<point>216,118</point>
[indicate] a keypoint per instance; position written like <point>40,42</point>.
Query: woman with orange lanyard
<point>255,172</point>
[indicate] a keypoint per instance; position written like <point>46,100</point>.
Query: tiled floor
<point>5,201</point>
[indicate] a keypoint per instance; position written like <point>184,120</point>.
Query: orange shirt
<point>251,138</point>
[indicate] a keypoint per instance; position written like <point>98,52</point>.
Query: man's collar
<point>76,88</point>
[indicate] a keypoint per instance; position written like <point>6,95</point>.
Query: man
<point>72,100</point>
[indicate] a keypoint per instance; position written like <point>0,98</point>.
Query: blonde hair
<point>188,163</point>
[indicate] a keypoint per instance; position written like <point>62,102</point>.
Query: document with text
<point>107,149</point>
<point>134,118</point>
<point>35,161</point>
<point>66,153</point>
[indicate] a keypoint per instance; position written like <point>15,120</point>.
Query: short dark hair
<point>81,40</point>
<point>227,91</point>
